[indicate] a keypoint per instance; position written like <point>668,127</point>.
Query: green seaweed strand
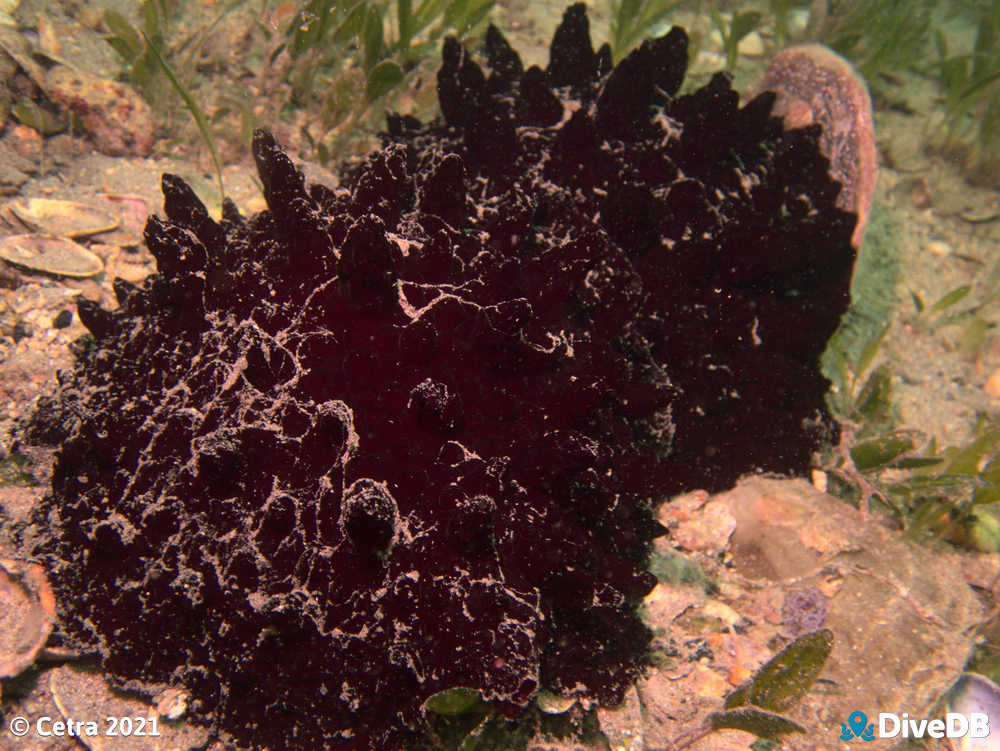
<point>195,111</point>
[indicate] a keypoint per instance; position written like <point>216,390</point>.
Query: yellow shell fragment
<point>27,611</point>
<point>50,254</point>
<point>67,218</point>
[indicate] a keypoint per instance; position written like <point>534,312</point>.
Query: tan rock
<point>696,524</point>
<point>752,45</point>
<point>939,248</point>
<point>902,614</point>
<point>114,115</point>
<point>992,385</point>
<point>26,141</point>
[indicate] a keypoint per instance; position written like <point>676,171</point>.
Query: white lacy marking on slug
<point>405,244</point>
<point>567,340</point>
<point>748,181</point>
<point>672,130</point>
<point>555,342</point>
<point>570,106</point>
<point>234,373</point>
<point>413,312</point>
<point>350,697</point>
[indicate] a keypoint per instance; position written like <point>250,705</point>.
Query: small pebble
<point>27,142</point>
<point>172,703</point>
<point>64,319</point>
<point>798,21</point>
<point>819,480</point>
<point>752,45</point>
<point>939,248</point>
<point>709,61</point>
<point>803,611</point>
<point>992,385</point>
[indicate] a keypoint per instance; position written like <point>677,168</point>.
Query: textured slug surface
<point>403,436</point>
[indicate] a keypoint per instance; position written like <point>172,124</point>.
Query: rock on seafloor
<point>112,113</point>
<point>782,555</point>
<point>404,436</point>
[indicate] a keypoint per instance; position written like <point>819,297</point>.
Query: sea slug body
<point>405,435</point>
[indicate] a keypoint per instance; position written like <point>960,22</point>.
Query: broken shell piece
<point>10,222</point>
<point>979,215</point>
<point>551,703</point>
<point>27,611</point>
<point>50,254</point>
<point>121,266</point>
<point>975,693</point>
<point>67,218</point>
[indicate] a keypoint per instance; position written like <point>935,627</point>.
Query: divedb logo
<point>889,725</point>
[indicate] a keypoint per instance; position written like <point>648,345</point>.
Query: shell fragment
<point>57,217</point>
<point>27,611</point>
<point>50,254</point>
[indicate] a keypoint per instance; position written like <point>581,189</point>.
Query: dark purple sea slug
<point>403,436</point>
